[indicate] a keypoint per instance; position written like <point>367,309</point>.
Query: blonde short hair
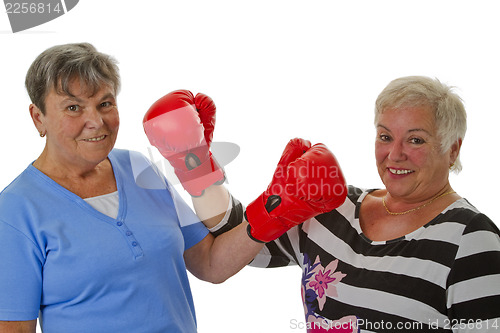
<point>449,111</point>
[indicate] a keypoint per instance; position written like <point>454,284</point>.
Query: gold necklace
<point>416,208</point>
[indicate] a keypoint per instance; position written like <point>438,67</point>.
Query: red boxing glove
<point>181,127</point>
<point>307,182</point>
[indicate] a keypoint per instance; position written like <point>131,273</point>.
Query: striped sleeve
<point>473,286</point>
<point>280,252</point>
<point>288,249</point>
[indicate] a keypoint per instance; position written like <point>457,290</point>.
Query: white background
<point>276,70</point>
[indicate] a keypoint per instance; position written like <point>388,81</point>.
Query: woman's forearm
<point>212,206</point>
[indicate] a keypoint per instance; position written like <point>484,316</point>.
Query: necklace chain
<point>416,208</point>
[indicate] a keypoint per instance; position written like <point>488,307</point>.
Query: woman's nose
<point>397,152</point>
<point>93,118</point>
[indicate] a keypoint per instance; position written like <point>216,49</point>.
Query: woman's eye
<point>417,141</point>
<point>384,138</point>
<point>105,106</point>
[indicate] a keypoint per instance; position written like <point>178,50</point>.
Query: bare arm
<point>212,205</point>
<point>217,259</point>
<point>18,326</point>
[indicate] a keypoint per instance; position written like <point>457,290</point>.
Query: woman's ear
<point>38,119</point>
<point>455,150</point>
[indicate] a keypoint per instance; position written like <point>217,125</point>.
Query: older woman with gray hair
<point>93,238</point>
<point>413,256</point>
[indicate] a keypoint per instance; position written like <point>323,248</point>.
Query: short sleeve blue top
<point>84,271</point>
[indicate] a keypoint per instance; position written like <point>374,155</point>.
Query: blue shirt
<point>87,272</point>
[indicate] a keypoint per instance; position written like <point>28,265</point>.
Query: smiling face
<point>81,129</point>
<point>408,154</point>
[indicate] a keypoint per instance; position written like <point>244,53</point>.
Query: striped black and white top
<point>443,277</point>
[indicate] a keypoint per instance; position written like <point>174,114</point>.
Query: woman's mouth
<point>96,139</point>
<point>400,171</point>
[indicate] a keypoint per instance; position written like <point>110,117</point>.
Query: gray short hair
<point>449,111</point>
<point>59,65</point>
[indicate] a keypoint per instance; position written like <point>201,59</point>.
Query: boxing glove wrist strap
<point>249,232</point>
<point>259,221</point>
<point>195,181</point>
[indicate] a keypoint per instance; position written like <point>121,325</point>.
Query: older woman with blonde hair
<point>413,256</point>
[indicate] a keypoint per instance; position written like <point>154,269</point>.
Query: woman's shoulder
<point>464,213</point>
<point>129,157</point>
<point>128,160</point>
<point>20,198</point>
<point>356,194</point>
<point>24,183</point>
<point>461,211</point>
<point>145,172</point>
<point>119,153</point>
